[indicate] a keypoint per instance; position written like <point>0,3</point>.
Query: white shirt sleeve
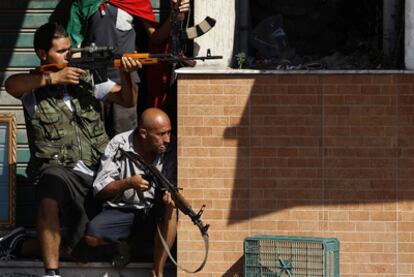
<point>103,89</point>
<point>109,169</point>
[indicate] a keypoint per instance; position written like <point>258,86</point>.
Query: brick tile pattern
<point>310,155</point>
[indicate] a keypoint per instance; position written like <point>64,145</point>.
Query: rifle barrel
<point>147,58</point>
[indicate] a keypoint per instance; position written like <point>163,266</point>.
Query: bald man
<point>131,199</point>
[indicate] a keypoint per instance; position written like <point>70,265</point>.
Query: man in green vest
<point>66,138</point>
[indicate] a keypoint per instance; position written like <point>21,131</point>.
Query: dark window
<point>324,34</point>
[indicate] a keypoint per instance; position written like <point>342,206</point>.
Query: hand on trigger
<point>138,183</point>
<point>67,76</point>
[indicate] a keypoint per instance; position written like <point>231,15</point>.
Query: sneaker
<point>50,273</point>
<point>122,256</point>
<point>8,243</point>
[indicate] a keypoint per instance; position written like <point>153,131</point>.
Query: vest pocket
<point>66,154</point>
<point>92,123</point>
<point>50,124</point>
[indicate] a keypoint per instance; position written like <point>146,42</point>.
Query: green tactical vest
<point>58,136</point>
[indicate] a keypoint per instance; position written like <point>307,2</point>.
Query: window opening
<point>322,34</point>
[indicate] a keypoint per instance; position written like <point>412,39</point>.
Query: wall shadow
<point>235,270</point>
<point>322,141</point>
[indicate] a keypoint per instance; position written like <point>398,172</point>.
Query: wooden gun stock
<point>49,68</point>
<point>143,58</point>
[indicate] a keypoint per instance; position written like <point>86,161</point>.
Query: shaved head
<point>154,131</point>
<point>152,118</point>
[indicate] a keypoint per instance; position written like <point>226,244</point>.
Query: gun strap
<point>167,249</point>
<point>200,29</point>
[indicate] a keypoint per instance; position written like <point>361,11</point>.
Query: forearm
<point>129,92</point>
<point>160,35</point>
<point>18,84</point>
<point>113,189</point>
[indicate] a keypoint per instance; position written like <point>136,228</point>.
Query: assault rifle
<point>99,57</point>
<point>181,203</point>
<point>179,35</point>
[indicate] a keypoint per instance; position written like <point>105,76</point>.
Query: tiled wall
<point>326,155</point>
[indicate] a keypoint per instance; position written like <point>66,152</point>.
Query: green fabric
<point>57,136</point>
<point>80,12</point>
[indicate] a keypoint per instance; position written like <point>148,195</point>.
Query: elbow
<point>129,103</point>
<point>100,195</point>
<point>10,88</point>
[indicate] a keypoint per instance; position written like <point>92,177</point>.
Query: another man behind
<point>66,138</point>
<point>110,23</point>
<point>131,198</point>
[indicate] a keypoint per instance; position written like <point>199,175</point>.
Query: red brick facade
<point>327,155</point>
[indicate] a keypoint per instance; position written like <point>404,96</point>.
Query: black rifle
<point>179,36</point>
<point>181,203</point>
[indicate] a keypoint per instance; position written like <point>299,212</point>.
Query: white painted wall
<point>409,35</point>
<point>220,39</point>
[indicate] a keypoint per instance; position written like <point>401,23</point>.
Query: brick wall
<point>299,154</point>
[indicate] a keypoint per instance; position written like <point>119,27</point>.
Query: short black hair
<point>46,33</point>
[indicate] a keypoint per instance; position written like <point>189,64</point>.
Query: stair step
<point>34,268</point>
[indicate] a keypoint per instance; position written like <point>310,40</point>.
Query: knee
<point>92,237</point>
<point>48,207</point>
<point>93,241</point>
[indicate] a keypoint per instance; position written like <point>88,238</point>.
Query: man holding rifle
<point>111,23</point>
<point>66,138</point>
<point>131,197</point>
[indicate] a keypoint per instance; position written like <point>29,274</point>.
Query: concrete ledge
<point>34,268</point>
<point>232,71</point>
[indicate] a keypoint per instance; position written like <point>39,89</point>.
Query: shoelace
<point>5,255</point>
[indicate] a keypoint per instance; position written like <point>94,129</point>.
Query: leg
<point>110,225</point>
<point>168,229</point>
<point>110,231</point>
<point>60,194</point>
<point>95,241</point>
<point>15,244</point>
<point>30,248</point>
<point>48,228</point>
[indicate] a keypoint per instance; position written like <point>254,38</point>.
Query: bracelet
<point>48,79</point>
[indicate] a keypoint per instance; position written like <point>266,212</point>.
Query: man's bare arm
<point>125,94</point>
<point>159,35</point>
<point>117,187</point>
<point>18,84</point>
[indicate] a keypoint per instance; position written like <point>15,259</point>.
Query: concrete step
<point>34,268</point>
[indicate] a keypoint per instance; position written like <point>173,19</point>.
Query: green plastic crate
<point>289,256</point>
